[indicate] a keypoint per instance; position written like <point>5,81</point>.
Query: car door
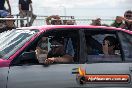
<point>40,75</point>
<point>103,73</point>
<point>3,76</point>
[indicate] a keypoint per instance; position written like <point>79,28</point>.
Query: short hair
<point>127,12</point>
<point>111,39</point>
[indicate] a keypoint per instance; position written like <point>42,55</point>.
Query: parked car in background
<point>20,68</point>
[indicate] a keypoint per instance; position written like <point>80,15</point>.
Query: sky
<point>82,8</point>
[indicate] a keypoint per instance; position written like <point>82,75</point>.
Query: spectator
<point>53,20</point>
<point>3,13</point>
<point>3,9</point>
<point>127,18</point>
<point>25,12</point>
<point>9,24</point>
<point>96,22</point>
<point>127,22</point>
<point>117,23</point>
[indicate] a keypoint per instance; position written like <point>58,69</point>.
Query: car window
<point>58,43</point>
<point>97,51</point>
<point>13,40</point>
<point>126,42</point>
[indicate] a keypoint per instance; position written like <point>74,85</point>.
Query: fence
<point>40,20</point>
<point>79,21</point>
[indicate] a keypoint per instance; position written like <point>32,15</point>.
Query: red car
<point>20,68</point>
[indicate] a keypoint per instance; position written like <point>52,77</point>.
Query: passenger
<point>25,12</point>
<point>109,45</point>
<point>42,49</point>
<point>53,20</point>
<point>117,23</point>
<point>96,22</point>
<point>57,53</point>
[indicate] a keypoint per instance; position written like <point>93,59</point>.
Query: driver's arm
<point>64,59</point>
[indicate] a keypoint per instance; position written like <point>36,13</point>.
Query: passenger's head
<point>128,14</point>
<point>109,43</point>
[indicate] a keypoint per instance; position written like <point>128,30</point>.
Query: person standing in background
<point>127,19</point>
<point>25,11</point>
<point>96,22</point>
<point>4,11</point>
<point>53,20</point>
<point>9,24</point>
<point>117,23</point>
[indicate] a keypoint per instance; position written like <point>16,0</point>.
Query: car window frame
<point>100,29</point>
<point>123,53</point>
<point>44,33</point>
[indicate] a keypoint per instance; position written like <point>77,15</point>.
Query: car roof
<point>48,27</point>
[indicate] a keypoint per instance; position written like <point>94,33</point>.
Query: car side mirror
<point>28,58</point>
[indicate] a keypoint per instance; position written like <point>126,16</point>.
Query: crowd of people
<point>26,10</point>
<point>124,22</point>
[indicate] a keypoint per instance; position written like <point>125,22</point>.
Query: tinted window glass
<point>126,41</point>
<point>13,40</point>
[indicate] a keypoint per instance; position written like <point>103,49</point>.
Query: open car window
<point>59,43</point>
<point>96,50</point>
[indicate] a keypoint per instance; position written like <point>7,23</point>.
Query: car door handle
<point>75,71</point>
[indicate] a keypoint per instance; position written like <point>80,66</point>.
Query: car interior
<point>71,41</point>
<point>94,46</point>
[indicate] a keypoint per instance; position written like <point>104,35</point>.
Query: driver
<point>57,52</point>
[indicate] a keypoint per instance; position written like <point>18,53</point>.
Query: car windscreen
<point>11,41</point>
